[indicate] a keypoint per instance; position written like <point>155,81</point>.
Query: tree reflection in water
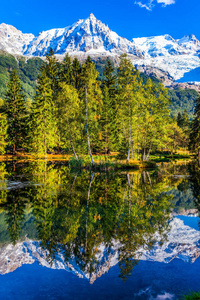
<point>80,214</point>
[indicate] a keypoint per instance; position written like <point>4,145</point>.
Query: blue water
<point>148,279</point>
<point>101,210</point>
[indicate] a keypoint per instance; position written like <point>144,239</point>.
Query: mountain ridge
<point>92,37</point>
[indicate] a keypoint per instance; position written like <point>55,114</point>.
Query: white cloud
<point>166,2</point>
<point>149,4</point>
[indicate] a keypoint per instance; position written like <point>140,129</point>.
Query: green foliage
<point>91,96</point>
<point>43,125</point>
<point>193,296</point>
<point>194,143</point>
<point>15,111</point>
<point>27,70</point>
<point>109,109</point>
<point>68,117</point>
<point>3,133</point>
<point>183,100</point>
<point>76,110</point>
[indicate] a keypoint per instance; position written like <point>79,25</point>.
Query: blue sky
<point>129,18</point>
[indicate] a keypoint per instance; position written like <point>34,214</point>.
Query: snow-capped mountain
<point>183,242</point>
<point>13,40</point>
<point>176,57</point>
<point>91,37</point>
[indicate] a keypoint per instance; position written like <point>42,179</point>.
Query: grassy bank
<point>111,163</point>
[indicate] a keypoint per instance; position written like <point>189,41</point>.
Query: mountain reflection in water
<point>87,222</point>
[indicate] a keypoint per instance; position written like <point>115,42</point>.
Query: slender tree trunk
<point>144,152</point>
<point>71,142</point>
<point>129,196</point>
<point>87,131</point>
<point>73,182</point>
<point>106,146</point>
<point>14,151</point>
<point>87,209</point>
<point>199,156</point>
<point>149,179</point>
<point>137,146</point>
<point>147,157</point>
<point>45,139</point>
<point>129,142</point>
<point>133,150</point>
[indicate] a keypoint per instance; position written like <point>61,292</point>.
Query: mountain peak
<point>92,16</point>
<point>88,35</point>
<point>190,42</point>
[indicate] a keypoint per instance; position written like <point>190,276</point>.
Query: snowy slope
<point>176,57</point>
<point>13,40</point>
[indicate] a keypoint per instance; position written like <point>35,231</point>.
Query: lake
<point>68,234</point>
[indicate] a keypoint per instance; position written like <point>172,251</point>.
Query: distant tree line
<point>74,111</point>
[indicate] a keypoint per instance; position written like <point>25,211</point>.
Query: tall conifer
<point>43,123</point>
<point>109,107</point>
<point>16,111</point>
<point>194,143</point>
<point>3,133</point>
<point>92,97</point>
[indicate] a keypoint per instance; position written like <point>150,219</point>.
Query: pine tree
<point>179,120</point>
<point>92,96</point>
<point>154,118</point>
<point>3,133</point>
<point>128,87</point>
<point>76,74</point>
<point>194,143</point>
<point>43,128</point>
<point>68,117</point>
<point>108,114</point>
<point>51,68</point>
<point>66,70</point>
<point>16,112</point>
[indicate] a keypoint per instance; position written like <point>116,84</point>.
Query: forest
<point>75,111</point>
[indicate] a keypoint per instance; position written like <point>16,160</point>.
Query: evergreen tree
<point>76,74</point>
<point>51,68</point>
<point>108,114</point>
<point>128,87</point>
<point>92,96</point>
<point>43,129</point>
<point>179,120</point>
<point>154,118</point>
<point>66,70</point>
<point>194,143</point>
<point>15,111</point>
<point>68,113</point>
<point>184,123</point>
<point>3,133</point>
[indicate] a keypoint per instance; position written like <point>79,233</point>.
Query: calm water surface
<point>82,235</point>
